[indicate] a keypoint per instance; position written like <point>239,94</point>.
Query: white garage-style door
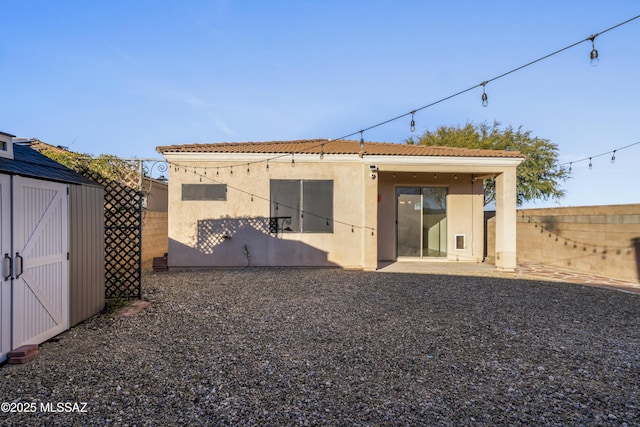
<point>39,302</point>
<point>6,282</point>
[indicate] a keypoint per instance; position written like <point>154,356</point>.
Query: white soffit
<point>379,160</point>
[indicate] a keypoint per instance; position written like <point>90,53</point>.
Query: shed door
<point>5,253</point>
<point>41,268</point>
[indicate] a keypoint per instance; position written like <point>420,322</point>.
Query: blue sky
<point>122,77</point>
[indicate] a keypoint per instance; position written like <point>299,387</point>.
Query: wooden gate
<point>39,261</point>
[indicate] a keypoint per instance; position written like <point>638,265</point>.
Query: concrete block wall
<point>155,235</point>
<point>603,240</point>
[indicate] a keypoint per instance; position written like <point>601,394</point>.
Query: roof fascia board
<point>379,160</point>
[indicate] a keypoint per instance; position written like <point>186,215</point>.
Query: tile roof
<point>326,146</point>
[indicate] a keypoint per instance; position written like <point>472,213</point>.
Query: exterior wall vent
<point>459,242</point>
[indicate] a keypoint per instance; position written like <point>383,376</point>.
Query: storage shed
<point>52,242</point>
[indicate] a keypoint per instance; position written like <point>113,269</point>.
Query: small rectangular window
<point>204,192</point>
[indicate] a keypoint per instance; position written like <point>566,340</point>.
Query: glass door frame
<point>416,190</point>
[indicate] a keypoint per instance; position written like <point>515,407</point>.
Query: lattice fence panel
<point>123,239</point>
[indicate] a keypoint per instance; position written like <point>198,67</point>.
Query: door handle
<point>6,267</point>
<point>19,266</point>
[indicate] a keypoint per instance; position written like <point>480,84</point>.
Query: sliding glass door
<point>421,222</point>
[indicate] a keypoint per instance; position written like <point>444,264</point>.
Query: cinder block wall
<point>155,235</point>
<point>602,240</point>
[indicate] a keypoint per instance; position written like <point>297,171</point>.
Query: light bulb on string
<point>570,166</point>
<point>231,170</point>
<point>485,98</point>
<point>322,152</point>
<point>248,171</point>
<point>594,53</point>
<point>413,122</point>
<point>613,157</point>
<point>590,164</point>
<point>293,161</point>
<point>217,171</point>
<point>361,139</point>
<point>267,165</point>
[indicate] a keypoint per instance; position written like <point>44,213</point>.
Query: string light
<point>293,161</point>
<point>594,53</point>
<point>322,152</point>
<point>267,165</point>
<point>485,98</point>
<point>413,122</point>
<point>575,243</point>
<point>590,164</point>
<point>483,84</point>
<point>590,158</point>
<point>248,171</point>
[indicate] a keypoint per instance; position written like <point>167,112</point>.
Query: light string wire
<point>193,170</point>
<point>575,243</point>
<point>484,83</point>
<point>590,158</point>
<point>411,113</point>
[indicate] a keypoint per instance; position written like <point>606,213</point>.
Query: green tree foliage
<point>107,166</point>
<point>538,177</point>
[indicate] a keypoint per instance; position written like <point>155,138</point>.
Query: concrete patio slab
<point>523,271</point>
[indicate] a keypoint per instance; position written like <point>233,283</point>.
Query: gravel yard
<point>330,347</point>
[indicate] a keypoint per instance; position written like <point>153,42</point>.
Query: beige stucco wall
<point>197,229</point>
<point>235,232</point>
<point>465,199</point>
<point>595,239</point>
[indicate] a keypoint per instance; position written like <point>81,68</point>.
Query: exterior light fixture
<point>594,53</point>
<point>485,98</point>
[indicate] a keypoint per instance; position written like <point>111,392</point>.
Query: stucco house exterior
<point>335,203</point>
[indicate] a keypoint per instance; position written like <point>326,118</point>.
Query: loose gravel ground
<point>282,347</point>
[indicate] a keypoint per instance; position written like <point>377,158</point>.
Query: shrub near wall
<point>603,240</point>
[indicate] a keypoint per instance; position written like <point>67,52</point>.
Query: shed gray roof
<point>29,163</point>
